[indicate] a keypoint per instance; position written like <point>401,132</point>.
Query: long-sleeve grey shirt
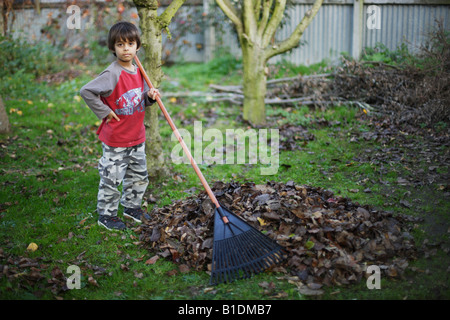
<point>104,85</point>
<point>124,92</point>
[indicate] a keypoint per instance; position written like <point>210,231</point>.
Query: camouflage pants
<point>121,165</point>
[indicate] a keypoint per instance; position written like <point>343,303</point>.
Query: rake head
<point>239,250</point>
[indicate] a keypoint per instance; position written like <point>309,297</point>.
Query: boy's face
<point>125,50</point>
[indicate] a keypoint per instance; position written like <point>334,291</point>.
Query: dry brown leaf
<point>152,260</point>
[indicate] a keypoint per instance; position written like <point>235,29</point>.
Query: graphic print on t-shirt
<point>130,102</point>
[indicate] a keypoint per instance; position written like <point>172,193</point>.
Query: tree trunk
<point>4,122</point>
<point>152,45</point>
<point>254,85</point>
<point>256,22</point>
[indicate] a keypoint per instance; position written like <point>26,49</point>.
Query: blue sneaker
<point>111,223</point>
<point>137,215</point>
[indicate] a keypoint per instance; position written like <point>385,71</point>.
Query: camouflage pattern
<point>121,165</point>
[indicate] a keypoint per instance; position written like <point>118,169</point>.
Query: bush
<point>36,59</point>
<point>381,53</point>
<point>223,64</point>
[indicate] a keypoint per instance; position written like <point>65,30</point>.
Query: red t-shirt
<point>125,93</point>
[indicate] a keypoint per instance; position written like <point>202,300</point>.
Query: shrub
<point>36,59</point>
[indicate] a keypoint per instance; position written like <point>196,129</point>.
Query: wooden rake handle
<point>177,134</point>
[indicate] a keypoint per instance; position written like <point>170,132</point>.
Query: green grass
<point>49,186</point>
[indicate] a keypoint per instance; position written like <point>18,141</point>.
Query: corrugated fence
<point>340,26</point>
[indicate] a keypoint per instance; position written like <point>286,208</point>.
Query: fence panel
<point>340,26</point>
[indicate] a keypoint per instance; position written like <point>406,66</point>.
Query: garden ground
<point>49,184</point>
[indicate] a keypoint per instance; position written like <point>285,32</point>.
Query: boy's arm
<point>103,85</point>
<point>148,101</point>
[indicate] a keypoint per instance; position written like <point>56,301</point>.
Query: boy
<point>118,96</point>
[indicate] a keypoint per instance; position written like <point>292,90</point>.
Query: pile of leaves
<point>329,240</point>
<point>412,90</point>
<point>408,95</point>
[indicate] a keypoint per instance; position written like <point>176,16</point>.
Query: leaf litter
<point>329,240</point>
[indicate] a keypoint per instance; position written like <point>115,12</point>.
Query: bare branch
<point>231,12</point>
<point>170,11</point>
<point>294,39</point>
<point>274,22</point>
<point>235,89</point>
<point>265,17</point>
<point>249,19</point>
<point>321,76</point>
<point>257,9</point>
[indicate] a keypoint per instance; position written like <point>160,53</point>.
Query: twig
<point>186,94</point>
<point>235,89</point>
<point>230,99</point>
<point>237,99</point>
<point>299,77</point>
<point>238,88</point>
<point>380,63</point>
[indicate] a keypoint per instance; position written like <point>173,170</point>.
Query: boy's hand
<point>153,93</point>
<point>110,116</point>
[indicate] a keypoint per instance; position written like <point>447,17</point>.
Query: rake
<point>239,250</point>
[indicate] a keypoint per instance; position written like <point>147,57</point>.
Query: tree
<point>4,122</point>
<point>151,26</point>
<point>256,22</point>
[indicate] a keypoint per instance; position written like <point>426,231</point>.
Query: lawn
<point>49,183</point>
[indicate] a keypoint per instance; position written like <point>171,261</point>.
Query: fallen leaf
<point>309,245</point>
<point>305,290</point>
<point>171,272</point>
<point>92,281</point>
<point>405,203</point>
<point>32,247</point>
<point>184,268</point>
<point>152,260</point>
<point>280,295</point>
<point>261,221</point>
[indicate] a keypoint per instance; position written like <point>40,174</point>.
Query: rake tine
<point>222,270</point>
<point>235,262</point>
<point>221,261</point>
<point>234,259</point>
<point>257,266</point>
<point>244,259</point>
<point>240,271</point>
<point>214,263</point>
<point>246,266</point>
<point>256,252</point>
<point>228,270</point>
<point>246,255</point>
<point>224,265</point>
<point>268,252</point>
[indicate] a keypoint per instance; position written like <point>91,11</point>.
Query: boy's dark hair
<point>123,30</point>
